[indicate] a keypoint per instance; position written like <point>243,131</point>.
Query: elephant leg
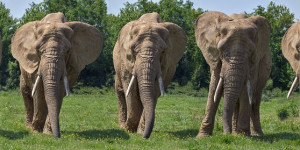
<point>263,76</point>
<point>134,110</point>
<point>243,118</point>
<point>28,102</point>
<point>235,117</point>
<point>255,118</point>
<point>40,109</point>
<point>47,127</point>
<point>207,124</point>
<point>121,102</point>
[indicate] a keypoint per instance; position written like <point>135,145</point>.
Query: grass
<point>89,120</point>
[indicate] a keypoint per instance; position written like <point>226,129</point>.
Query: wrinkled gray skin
<point>237,51</point>
<point>291,50</point>
<point>52,49</point>
<point>146,48</point>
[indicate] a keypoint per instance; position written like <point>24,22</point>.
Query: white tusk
<point>66,83</point>
<point>249,89</point>
<point>292,87</point>
<point>130,85</point>
<point>220,83</point>
<point>35,84</point>
<point>161,86</point>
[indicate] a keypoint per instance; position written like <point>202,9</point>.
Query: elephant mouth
<point>220,88</point>
<point>38,80</point>
<point>160,83</point>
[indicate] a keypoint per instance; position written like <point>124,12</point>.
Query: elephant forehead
<point>151,28</point>
<point>239,24</point>
<point>54,29</point>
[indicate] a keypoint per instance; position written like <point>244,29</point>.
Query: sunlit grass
<point>90,121</point>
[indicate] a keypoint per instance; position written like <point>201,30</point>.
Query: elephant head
<point>55,50</point>
<point>291,51</point>
<point>152,49</point>
<point>233,47</point>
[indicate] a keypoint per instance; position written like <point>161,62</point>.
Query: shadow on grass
<point>270,138</point>
<point>102,134</point>
<point>183,134</point>
<point>13,135</point>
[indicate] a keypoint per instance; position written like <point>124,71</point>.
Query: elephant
<point>145,58</point>
<point>291,51</point>
<point>290,46</point>
<point>51,54</point>
<point>236,48</point>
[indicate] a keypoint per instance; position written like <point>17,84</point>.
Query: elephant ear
<point>263,34</point>
<point>290,46</point>
<point>176,42</point>
<point>207,35</point>
<point>23,47</point>
<point>86,43</point>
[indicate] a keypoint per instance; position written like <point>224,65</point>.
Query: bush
<point>290,109</point>
<point>282,113</point>
<point>203,92</point>
<point>269,85</point>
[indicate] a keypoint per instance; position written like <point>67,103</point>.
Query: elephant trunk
<point>234,80</point>
<point>146,77</point>
<point>52,75</point>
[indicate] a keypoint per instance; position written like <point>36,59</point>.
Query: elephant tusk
<point>38,79</point>
<point>249,89</point>
<point>130,85</point>
<point>292,87</point>
<point>219,87</point>
<point>66,83</point>
<point>161,86</point>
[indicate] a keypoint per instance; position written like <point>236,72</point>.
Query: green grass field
<point>90,121</point>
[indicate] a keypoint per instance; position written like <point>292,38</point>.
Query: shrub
<point>290,109</point>
<point>282,113</point>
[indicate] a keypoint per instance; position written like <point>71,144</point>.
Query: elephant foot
<point>257,133</point>
<point>203,135</point>
<point>130,129</point>
<point>122,125</point>
<point>140,130</point>
<point>28,125</point>
<point>47,131</point>
<point>241,133</point>
<point>36,129</point>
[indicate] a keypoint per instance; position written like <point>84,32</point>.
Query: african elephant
<point>51,54</point>
<point>237,50</point>
<point>145,58</point>
<point>291,50</point>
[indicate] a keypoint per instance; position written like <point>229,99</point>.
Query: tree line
<point>191,68</point>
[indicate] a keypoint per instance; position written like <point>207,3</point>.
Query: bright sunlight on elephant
<point>291,50</point>
<point>145,58</point>
<point>237,51</point>
<point>51,53</point>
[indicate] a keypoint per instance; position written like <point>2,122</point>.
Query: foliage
<point>286,110</point>
<point>7,29</point>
